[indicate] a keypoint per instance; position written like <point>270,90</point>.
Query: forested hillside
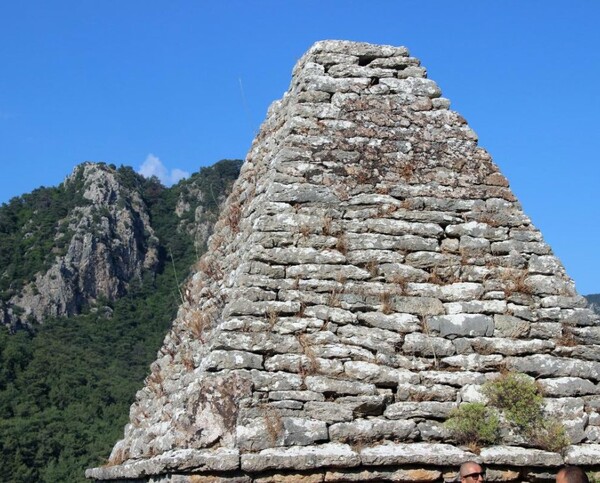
<point>66,384</point>
<point>594,300</point>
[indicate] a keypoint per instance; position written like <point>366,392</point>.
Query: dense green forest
<point>594,298</point>
<point>66,386</point>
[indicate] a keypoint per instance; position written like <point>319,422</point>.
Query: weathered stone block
<point>413,85</point>
<point>436,392</point>
<point>433,431</point>
<point>218,360</point>
<point>545,264</point>
<point>371,430</point>
<point>370,337</point>
<point>397,322</point>
<point>549,366</point>
<point>476,307</point>
<point>460,291</point>
<point>515,456</point>
<point>423,409</point>
<point>472,325</point>
<point>477,229</point>
<point>474,362</point>
<point>509,326</point>
<point>417,305</point>
<point>299,363</point>
<point>415,453</point>
<point>567,386</point>
<point>275,381</point>
<point>221,459</point>
<point>296,395</point>
<point>452,378</point>
<point>427,345</point>
<point>403,475</point>
<point>378,374</point>
<point>301,458</point>
<point>330,272</point>
<point>511,347</point>
<point>257,342</point>
<point>330,412</point>
<point>363,406</point>
<point>342,351</point>
<point>584,454</point>
<point>333,314</point>
<point>338,386</point>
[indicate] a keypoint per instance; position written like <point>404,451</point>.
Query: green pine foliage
<point>65,389</point>
<point>594,302</point>
<point>593,298</point>
<point>28,227</point>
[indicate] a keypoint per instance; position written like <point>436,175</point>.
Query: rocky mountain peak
<point>105,239</point>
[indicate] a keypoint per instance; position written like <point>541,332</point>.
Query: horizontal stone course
<point>182,460</point>
<point>301,458</point>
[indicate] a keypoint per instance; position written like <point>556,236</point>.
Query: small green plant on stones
<point>519,399</point>
<point>550,435</point>
<point>474,424</point>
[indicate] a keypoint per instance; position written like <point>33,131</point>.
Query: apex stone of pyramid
<point>369,272</point>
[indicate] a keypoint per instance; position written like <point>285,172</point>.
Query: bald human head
<point>571,474</point>
<point>471,472</point>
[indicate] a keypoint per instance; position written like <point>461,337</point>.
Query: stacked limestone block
<point>370,271</point>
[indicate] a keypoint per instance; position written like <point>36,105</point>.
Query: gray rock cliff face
<point>370,271</point>
<point>111,243</point>
<point>107,237</point>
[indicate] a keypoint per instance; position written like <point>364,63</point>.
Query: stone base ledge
<point>333,455</point>
<point>337,455</point>
<point>184,460</point>
<point>583,454</point>
<point>415,453</point>
<point>517,456</point>
<point>342,462</point>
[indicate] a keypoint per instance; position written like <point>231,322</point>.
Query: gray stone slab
<point>515,456</point>
<point>371,430</point>
<point>471,325</point>
<point>221,459</point>
<point>301,458</point>
<point>423,409</point>
<point>584,454</point>
<point>415,453</point>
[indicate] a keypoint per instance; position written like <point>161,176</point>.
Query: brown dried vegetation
<point>342,244</point>
<point>515,281</point>
<point>327,225</point>
<point>386,303</point>
<point>199,322</point>
<point>273,424</point>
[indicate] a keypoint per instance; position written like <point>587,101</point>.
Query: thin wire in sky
<point>253,132</point>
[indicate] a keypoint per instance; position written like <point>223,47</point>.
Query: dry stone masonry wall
<point>370,271</point>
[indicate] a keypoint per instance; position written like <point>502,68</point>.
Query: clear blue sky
<point>182,84</point>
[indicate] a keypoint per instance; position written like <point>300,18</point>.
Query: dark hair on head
<point>574,474</point>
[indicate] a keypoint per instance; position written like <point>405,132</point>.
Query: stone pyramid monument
<point>369,273</point>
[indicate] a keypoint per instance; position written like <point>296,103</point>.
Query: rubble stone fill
<point>369,272</point>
